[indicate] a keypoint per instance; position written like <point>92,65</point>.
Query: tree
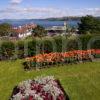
<point>39,31</point>
<point>89,24</point>
<point>5,29</point>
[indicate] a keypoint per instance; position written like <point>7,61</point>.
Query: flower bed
<point>97,53</point>
<point>42,60</point>
<point>41,88</point>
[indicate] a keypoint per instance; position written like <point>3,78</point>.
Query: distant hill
<point>66,18</point>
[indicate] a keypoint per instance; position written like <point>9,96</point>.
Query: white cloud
<point>32,12</point>
<point>88,11</point>
<point>16,1</point>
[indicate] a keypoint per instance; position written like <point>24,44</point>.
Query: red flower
<point>30,97</point>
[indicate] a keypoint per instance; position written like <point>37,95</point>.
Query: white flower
<point>17,96</point>
<point>49,86</point>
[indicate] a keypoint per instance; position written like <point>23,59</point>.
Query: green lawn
<point>81,81</point>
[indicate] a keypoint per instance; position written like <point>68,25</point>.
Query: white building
<point>24,31</point>
<point>57,29</point>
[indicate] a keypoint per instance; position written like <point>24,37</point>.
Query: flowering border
<point>41,88</point>
<point>44,60</point>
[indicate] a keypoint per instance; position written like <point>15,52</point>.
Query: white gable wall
<point>24,35</point>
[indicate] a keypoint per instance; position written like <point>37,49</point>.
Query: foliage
<point>32,47</point>
<point>39,31</point>
<point>89,24</point>
<point>20,49</point>
<point>72,44</point>
<point>5,29</point>
<point>84,40</point>
<point>48,45</point>
<point>7,50</point>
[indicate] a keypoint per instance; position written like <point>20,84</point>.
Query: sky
<point>35,9</point>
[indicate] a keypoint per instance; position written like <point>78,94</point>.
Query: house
<point>22,32</point>
<point>54,30</point>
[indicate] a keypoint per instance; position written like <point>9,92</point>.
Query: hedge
<point>47,45</point>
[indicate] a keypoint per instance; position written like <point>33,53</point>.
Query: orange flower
<point>52,57</point>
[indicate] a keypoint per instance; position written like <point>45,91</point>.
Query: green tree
<point>5,29</point>
<point>89,24</point>
<point>39,31</point>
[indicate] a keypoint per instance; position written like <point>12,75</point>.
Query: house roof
<point>23,29</point>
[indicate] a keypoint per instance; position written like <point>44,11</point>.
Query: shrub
<point>40,46</point>
<point>7,50</point>
<point>84,40</point>
<point>32,47</point>
<point>48,46</point>
<point>20,52</point>
<point>72,45</point>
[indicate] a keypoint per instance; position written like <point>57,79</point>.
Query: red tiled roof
<point>23,29</point>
